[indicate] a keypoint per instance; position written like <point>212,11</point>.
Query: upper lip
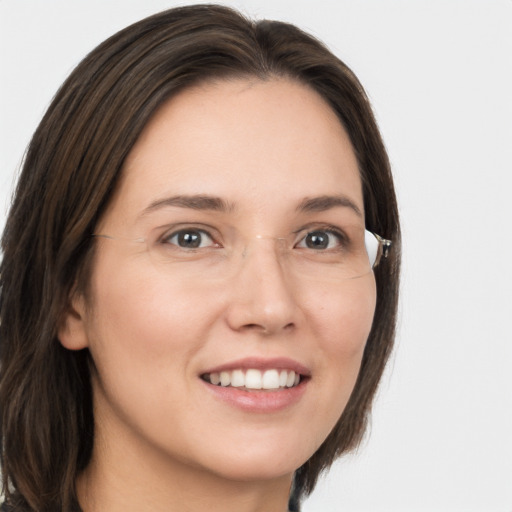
<point>259,363</point>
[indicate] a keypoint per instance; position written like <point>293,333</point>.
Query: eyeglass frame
<point>383,248</point>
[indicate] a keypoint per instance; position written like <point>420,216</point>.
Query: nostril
<point>267,330</point>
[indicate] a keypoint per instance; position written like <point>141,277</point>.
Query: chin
<point>260,458</point>
<point>246,469</point>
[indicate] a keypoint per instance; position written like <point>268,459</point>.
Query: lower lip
<point>258,401</point>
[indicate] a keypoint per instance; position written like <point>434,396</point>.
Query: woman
<point>192,313</point>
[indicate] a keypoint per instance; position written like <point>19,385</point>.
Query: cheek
<point>343,322</point>
<point>344,315</point>
<point>143,333</point>
<point>144,304</point>
<point>142,328</point>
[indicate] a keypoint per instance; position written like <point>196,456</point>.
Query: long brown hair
<point>70,171</point>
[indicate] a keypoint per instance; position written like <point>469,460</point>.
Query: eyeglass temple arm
<point>384,247</point>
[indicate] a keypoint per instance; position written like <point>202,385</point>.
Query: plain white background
<point>439,74</point>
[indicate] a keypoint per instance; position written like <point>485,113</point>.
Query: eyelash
<point>341,238</point>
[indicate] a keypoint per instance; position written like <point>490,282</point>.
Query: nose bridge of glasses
<point>261,257</point>
<point>277,244</point>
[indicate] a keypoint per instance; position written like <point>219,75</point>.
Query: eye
<point>190,238</point>
<point>321,239</point>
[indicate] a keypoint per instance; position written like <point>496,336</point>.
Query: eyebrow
<point>217,204</point>
<point>323,203</point>
<point>194,202</point>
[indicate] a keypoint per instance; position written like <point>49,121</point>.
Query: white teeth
<point>291,379</point>
<point>270,380</point>
<point>238,379</point>
<point>225,379</point>
<point>255,379</point>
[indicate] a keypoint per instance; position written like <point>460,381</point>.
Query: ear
<point>72,332</point>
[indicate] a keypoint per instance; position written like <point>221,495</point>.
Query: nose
<point>262,298</point>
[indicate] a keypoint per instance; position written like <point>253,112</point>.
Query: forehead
<point>254,143</point>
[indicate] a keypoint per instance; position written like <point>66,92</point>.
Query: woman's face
<point>222,180</point>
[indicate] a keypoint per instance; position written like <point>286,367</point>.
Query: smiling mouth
<point>255,380</point>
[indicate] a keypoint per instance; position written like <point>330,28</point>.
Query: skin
<point>163,442</point>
